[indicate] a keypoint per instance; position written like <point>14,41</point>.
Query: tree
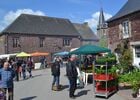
<point>103,41</point>
<point>125,58</point>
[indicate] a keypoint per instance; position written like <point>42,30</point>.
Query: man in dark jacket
<point>55,69</point>
<point>7,75</point>
<point>72,75</point>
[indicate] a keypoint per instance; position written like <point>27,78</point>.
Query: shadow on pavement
<point>64,87</point>
<point>125,87</point>
<point>27,77</point>
<point>36,75</point>
<point>83,92</point>
<point>28,98</point>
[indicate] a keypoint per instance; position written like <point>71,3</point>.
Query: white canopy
<point>7,55</point>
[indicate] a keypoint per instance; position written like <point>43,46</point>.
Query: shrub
<point>133,78</point>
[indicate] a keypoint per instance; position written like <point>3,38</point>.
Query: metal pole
<point>93,67</point>
<point>106,80</point>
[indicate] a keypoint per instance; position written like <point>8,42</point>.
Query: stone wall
<point>114,32</point>
<point>31,43</point>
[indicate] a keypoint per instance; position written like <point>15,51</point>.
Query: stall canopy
<point>90,49</point>
<point>23,54</point>
<point>61,53</point>
<point>8,55</point>
<point>39,54</point>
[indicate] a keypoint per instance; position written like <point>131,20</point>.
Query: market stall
<point>42,63</point>
<point>23,54</point>
<point>92,49</point>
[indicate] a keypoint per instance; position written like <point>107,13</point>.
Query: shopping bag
<point>80,83</point>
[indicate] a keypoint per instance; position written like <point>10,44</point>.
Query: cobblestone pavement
<point>39,88</point>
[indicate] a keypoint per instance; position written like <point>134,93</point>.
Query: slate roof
<point>85,32</point>
<point>34,24</point>
<point>130,7</point>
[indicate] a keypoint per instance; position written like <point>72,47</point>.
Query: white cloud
<point>93,21</point>
<point>12,15</point>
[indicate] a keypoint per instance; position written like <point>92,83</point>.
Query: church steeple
<point>101,23</point>
<point>102,29</point>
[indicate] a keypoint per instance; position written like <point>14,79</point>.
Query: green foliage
<point>103,42</point>
<point>125,58</point>
<point>110,58</point>
<point>111,55</point>
<point>135,81</point>
<point>102,70</point>
<point>113,70</point>
<point>124,78</point>
<point>133,78</point>
<point>99,70</point>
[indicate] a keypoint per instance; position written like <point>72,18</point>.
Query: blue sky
<point>75,10</point>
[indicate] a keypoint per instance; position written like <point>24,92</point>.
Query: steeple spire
<point>102,29</point>
<point>101,22</point>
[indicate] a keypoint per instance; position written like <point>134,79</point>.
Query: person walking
<point>71,73</point>
<point>55,69</point>
<point>18,69</point>
<point>23,65</point>
<point>7,74</point>
<point>30,66</point>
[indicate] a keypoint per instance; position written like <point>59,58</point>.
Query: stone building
<point>30,33</point>
<point>125,25</point>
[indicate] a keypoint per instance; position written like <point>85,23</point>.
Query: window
<point>66,42</point>
<point>41,42</point>
<point>16,42</point>
<point>125,29</point>
<point>137,51</point>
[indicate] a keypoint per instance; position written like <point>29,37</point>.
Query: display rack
<point>105,84</point>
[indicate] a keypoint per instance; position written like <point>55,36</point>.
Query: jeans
<point>55,81</point>
<point>17,75</point>
<point>30,72</point>
<point>10,93</point>
<point>24,74</point>
<point>72,85</point>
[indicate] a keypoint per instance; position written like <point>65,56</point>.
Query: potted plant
<point>110,58</point>
<point>102,75</point>
<point>135,88</point>
<point>133,79</point>
<point>99,73</point>
<point>135,82</point>
<point>101,60</point>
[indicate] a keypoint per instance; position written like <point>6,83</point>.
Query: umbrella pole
<point>85,75</point>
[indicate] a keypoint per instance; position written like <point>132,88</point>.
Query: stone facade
<point>115,33</point>
<point>2,44</point>
<point>31,43</point>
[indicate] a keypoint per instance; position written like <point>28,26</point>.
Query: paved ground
<point>39,88</point>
